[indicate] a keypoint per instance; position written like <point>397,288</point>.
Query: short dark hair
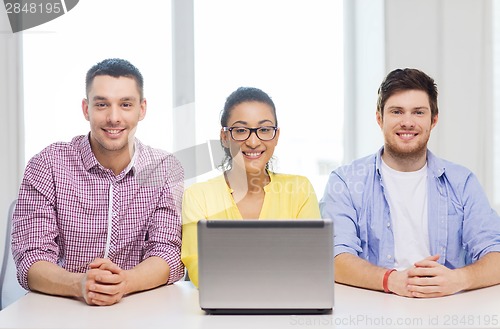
<point>242,95</point>
<point>407,79</point>
<point>115,67</point>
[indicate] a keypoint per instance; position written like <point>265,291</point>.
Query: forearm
<point>483,273</point>
<point>51,279</point>
<point>150,273</point>
<point>354,271</point>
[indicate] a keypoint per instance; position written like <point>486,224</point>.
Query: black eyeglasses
<point>241,134</point>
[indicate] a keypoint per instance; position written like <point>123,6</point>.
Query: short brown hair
<point>407,79</point>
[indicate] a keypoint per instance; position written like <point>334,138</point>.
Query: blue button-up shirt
<point>462,225</point>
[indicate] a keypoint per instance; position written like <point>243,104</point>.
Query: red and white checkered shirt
<point>71,210</point>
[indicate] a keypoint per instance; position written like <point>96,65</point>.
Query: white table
<point>176,306</point>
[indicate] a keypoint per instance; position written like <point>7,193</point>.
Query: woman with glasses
<point>247,189</point>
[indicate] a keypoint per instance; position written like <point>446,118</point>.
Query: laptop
<point>265,266</point>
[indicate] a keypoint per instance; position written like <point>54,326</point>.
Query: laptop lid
<point>265,266</point>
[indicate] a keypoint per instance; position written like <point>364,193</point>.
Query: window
<point>292,50</point>
<point>58,54</point>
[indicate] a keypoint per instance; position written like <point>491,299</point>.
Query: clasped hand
<point>104,283</point>
<point>427,278</point>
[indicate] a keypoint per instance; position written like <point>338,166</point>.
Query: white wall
<point>451,41</point>
<point>11,130</point>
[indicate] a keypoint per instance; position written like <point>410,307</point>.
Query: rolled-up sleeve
<point>337,205</point>
<point>481,226</point>
<point>34,224</point>
<point>165,232</point>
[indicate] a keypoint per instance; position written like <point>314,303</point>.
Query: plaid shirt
<point>71,210</point>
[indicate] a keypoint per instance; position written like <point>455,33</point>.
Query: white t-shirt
<point>407,197</point>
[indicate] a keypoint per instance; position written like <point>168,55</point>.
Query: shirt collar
<point>143,160</point>
<point>88,157</point>
<point>434,164</point>
<point>271,182</point>
<point>90,161</point>
<point>131,165</point>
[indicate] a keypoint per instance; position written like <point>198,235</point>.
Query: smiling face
<point>253,154</point>
<point>406,124</point>
<point>113,107</point>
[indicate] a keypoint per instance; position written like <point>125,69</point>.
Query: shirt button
<point>389,256</point>
<point>388,224</point>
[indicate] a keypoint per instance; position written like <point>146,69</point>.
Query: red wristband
<point>386,279</point>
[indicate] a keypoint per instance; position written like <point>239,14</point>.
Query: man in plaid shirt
<point>99,217</point>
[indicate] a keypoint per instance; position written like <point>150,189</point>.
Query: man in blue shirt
<point>406,221</point>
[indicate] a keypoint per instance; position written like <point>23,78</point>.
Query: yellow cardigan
<point>286,196</point>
